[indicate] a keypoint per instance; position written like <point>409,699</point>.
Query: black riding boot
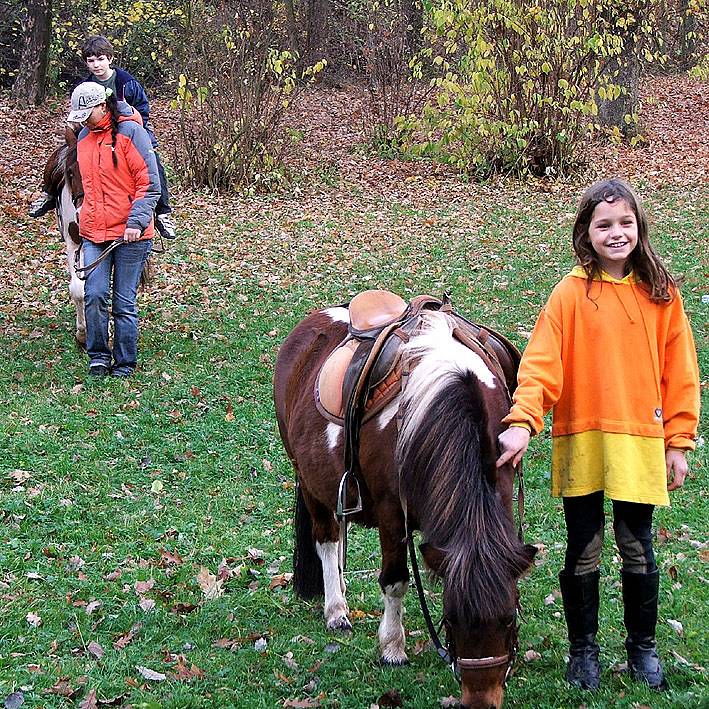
<point>580,596</point>
<point>640,605</point>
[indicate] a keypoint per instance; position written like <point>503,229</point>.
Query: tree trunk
<point>31,80</point>
<point>292,27</point>
<point>316,43</point>
<point>413,11</point>
<point>687,44</point>
<point>612,112</point>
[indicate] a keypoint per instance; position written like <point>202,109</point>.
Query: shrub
<point>232,95</point>
<point>522,80</point>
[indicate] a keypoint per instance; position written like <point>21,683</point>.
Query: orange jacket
<point>614,362</point>
<point>116,197</point>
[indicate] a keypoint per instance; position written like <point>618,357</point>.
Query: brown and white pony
<point>441,461</point>
<point>70,196</point>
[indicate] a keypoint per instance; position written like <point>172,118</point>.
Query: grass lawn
<point>145,525</point>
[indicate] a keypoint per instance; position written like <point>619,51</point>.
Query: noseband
<point>483,663</point>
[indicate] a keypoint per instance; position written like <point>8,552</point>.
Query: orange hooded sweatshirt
<point>621,375</point>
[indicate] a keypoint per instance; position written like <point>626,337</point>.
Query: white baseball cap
<point>83,99</point>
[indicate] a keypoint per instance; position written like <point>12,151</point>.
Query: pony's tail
<point>146,275</point>
<point>307,567</point>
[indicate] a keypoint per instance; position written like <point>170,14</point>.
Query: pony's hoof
<point>394,662</point>
<point>341,625</point>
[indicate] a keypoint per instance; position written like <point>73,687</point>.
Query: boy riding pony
<point>97,52</point>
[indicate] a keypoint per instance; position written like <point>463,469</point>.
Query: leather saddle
<point>380,322</point>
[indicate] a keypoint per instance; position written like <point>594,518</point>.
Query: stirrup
<point>342,509</point>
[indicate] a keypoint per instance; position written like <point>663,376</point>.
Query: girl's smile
<point>613,233</point>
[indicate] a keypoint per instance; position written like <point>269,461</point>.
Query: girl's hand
<point>131,234</point>
<point>513,444</point>
<point>677,468</point>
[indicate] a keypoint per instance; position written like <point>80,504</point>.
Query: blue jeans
<point>125,263</point>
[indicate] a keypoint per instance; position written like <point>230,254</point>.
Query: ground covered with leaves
<point>145,525</point>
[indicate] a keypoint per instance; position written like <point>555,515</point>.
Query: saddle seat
<point>380,321</point>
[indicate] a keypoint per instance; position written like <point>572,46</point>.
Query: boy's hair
<point>645,263</point>
<point>95,46</point>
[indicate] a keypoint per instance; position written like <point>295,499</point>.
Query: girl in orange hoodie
<point>612,354</point>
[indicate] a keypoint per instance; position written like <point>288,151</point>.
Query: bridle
<point>448,652</point>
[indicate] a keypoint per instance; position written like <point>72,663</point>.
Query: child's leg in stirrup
<point>50,183</point>
<point>163,217</point>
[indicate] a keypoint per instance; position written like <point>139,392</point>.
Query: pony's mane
<point>440,453</point>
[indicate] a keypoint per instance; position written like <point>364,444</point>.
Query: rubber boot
<point>580,596</point>
<point>640,593</point>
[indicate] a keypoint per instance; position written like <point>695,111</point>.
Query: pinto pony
<point>64,173</point>
<point>427,463</point>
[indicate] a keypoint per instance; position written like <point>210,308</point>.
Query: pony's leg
<point>336,609</point>
<point>394,581</point>
<point>76,292</point>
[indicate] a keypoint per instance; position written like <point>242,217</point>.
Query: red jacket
<point>122,195</point>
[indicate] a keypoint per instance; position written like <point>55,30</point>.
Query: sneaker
<point>43,204</point>
<point>122,372</point>
<point>165,225</point>
<point>98,370</point>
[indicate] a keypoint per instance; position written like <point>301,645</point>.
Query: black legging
<point>632,524</point>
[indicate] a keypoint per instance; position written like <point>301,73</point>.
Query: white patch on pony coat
<point>388,413</point>
<point>391,630</point>
<point>338,314</point>
<point>442,358</point>
<point>332,433</point>
<point>336,609</point>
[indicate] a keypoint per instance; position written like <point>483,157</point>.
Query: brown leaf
<point>184,673</point>
<point>89,701</point>
<point>170,558</point>
<point>62,688</point>
<point>280,581</point>
<point>125,639</point>
<point>301,703</point>
<point>211,586</point>
<point>183,608</point>
<point>95,649</point>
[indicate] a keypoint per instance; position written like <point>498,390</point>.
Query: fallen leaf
<point>92,606</point>
<point>95,649</point>
<point>125,639</point>
<point>280,581</point>
<point>33,619</point>
<point>147,604</point>
<point>143,587</point>
<point>301,703</point>
<point>62,687</point>
<point>184,673</point>
<point>152,675</point>
<point>211,586</point>
<point>676,626</point>
<point>532,655</point>
<point>89,701</point>
<point>289,661</point>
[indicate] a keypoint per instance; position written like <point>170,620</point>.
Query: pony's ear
<point>70,136</point>
<point>433,557</point>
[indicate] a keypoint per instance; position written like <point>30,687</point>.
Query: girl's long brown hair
<point>644,262</point>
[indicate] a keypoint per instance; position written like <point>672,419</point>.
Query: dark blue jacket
<point>129,89</point>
